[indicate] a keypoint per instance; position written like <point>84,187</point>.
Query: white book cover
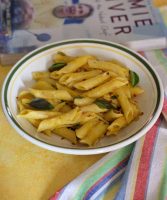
<point>28,24</point>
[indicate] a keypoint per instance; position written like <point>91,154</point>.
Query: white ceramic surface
<point>20,78</point>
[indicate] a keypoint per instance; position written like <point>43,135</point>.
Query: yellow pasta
<point>81,98</point>
<point>54,75</point>
<point>25,102</point>
<point>66,133</point>
<point>112,115</point>
<point>24,94</point>
<point>65,108</point>
<point>34,122</point>
<point>109,66</point>
<point>116,125</point>
<point>34,114</point>
<point>63,120</point>
<point>125,104</point>
<point>40,75</point>
<point>83,101</point>
<point>20,105</point>
<point>84,130</point>
<point>61,57</point>
<point>95,134</point>
<point>49,94</point>
<point>93,108</point>
<point>74,64</point>
<point>72,78</point>
<point>129,110</point>
<point>59,106</point>
<point>106,88</point>
<point>136,91</point>
<point>42,85</point>
<point>92,82</point>
<point>50,81</point>
<point>73,93</point>
<point>86,116</point>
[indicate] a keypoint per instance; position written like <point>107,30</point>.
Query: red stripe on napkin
<point>164,108</point>
<point>145,160</point>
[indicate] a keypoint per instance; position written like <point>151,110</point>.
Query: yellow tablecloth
<point>29,172</point>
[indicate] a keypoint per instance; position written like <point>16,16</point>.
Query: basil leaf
<point>134,78</point>
<point>41,104</point>
<point>102,103</point>
<point>56,66</point>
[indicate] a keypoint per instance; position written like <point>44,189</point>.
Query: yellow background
<point>29,172</point>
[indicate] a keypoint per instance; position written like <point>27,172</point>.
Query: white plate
<point>20,77</point>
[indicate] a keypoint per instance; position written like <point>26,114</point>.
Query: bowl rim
<point>89,151</point>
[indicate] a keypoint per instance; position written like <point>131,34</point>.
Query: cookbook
<point>28,24</point>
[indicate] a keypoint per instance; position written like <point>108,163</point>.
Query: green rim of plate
<point>47,47</point>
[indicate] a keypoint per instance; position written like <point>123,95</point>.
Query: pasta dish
<point>81,98</point>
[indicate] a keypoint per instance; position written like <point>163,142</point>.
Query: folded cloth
<point>135,172</point>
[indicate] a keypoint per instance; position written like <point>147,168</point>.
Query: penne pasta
<point>25,94</point>
<point>93,108</point>
<point>92,82</point>
<point>81,98</point>
<point>48,132</point>
<point>61,57</point>
<point>112,115</point>
<point>42,85</point>
<point>50,81</point>
<point>20,105</point>
<point>65,108</point>
<point>66,133</point>
<point>125,104</point>
<point>54,75</point>
<point>73,93</point>
<point>116,125</point>
<point>83,101</point>
<point>106,88</point>
<point>34,122</point>
<point>135,91</point>
<point>74,64</point>
<point>85,128</point>
<point>71,78</point>
<point>59,106</point>
<point>49,94</point>
<point>35,114</point>
<point>109,66</point>
<point>40,75</point>
<point>95,134</point>
<point>87,116</point>
<point>63,120</point>
<point>25,102</point>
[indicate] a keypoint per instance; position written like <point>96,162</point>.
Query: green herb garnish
<point>41,104</point>
<point>57,66</point>
<point>134,78</point>
<point>102,103</point>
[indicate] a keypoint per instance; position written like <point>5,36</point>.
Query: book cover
<point>28,24</point>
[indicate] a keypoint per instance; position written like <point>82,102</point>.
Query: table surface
<point>29,172</point>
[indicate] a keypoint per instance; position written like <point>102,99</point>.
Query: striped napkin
<point>135,172</point>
